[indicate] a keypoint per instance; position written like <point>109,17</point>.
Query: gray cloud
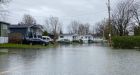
<point>90,11</point>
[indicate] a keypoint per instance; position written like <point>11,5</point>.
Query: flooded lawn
<point>91,59</point>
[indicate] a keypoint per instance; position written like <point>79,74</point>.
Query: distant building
<point>86,38</point>
<point>4,32</point>
<point>69,37</point>
<point>27,31</point>
<point>72,37</point>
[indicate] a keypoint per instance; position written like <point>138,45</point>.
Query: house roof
<point>74,35</point>
<point>2,22</point>
<point>26,26</point>
<point>18,26</point>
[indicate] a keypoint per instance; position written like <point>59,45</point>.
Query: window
<point>3,30</point>
<point>30,35</point>
<point>44,38</point>
<point>74,37</point>
<point>39,36</point>
<point>4,26</point>
<point>89,38</point>
<point>61,36</point>
<point>28,29</point>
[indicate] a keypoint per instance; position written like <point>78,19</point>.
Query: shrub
<point>137,31</point>
<point>76,41</point>
<point>45,33</point>
<point>90,41</point>
<point>81,41</point>
<point>127,42</point>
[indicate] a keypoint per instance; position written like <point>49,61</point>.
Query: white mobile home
<point>69,37</point>
<point>86,38</point>
<point>72,37</point>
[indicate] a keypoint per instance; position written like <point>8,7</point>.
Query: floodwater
<point>94,59</point>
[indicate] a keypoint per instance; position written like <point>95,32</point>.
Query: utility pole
<point>104,30</point>
<point>109,23</point>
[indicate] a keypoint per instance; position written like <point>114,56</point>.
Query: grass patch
<point>24,46</point>
<point>2,53</point>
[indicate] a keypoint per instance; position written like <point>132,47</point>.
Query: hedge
<point>126,42</point>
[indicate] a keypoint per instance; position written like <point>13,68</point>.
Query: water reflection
<point>86,59</point>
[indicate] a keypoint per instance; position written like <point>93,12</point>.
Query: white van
<point>47,38</point>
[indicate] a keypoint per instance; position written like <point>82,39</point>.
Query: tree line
<point>125,18</point>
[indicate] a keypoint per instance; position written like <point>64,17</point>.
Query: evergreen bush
<point>127,42</point>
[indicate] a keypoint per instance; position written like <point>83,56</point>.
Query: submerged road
<point>94,59</point>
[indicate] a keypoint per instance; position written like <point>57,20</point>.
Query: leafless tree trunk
<point>54,26</point>
<point>28,20</point>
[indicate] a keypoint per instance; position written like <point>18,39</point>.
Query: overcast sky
<point>90,11</point>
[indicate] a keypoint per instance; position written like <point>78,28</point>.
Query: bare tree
<point>4,1</point>
<point>136,23</point>
<point>76,27</point>
<point>83,29</point>
<point>28,20</point>
<point>100,28</point>
<point>54,26</point>
<point>136,10</point>
<point>122,16</point>
<point>103,29</point>
<point>73,27</point>
<point>87,28</point>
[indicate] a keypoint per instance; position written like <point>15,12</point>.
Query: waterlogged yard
<point>94,59</point>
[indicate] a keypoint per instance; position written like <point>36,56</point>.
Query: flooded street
<point>85,59</point>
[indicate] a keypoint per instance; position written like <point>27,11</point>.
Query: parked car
<point>35,41</point>
<point>47,38</point>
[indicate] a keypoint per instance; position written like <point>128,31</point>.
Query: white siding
<point>70,38</point>
<point>85,38</point>
<point>99,40</point>
<point>3,40</point>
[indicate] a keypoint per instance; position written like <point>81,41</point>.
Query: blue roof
<point>25,26</point>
